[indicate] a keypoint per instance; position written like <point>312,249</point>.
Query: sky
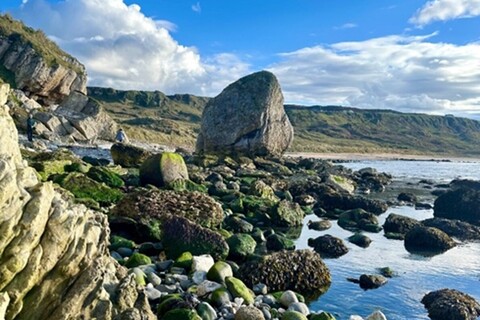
<point>410,56</point>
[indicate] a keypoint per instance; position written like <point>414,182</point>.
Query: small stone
<point>288,297</point>
<point>206,311</point>
<point>293,315</point>
<point>115,255</point>
<point>269,299</point>
<point>152,293</point>
<point>249,313</point>
<point>206,287</point>
<point>139,276</point>
<point>260,288</point>
<point>164,265</point>
<point>185,284</point>
<point>177,270</point>
<point>202,263</point>
<point>167,288</point>
<point>154,279</point>
<point>377,315</point>
<point>199,276</point>
<point>299,307</point>
<point>125,252</point>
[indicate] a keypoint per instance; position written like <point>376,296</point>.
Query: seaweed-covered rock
<point>328,246</point>
<point>83,187</point>
<point>152,205</point>
<point>127,155</point>
<point>102,174</point>
<point>180,235</point>
<point>241,246</point>
<point>372,281</point>
<point>462,204</point>
<point>360,240</point>
<point>162,169</point>
<point>261,189</point>
<point>319,225</point>
<point>137,259</point>
<point>427,240</point>
<point>181,314</point>
<point>287,214</point>
<point>451,304</point>
<point>455,228</point>
<point>358,219</point>
<point>302,271</point>
<point>277,242</point>
<point>249,313</point>
<point>293,315</point>
<point>396,223</point>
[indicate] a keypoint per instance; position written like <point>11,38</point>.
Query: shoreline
<point>380,157</point>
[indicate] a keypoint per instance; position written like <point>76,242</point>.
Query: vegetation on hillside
<point>175,120</point>
<point>14,30</point>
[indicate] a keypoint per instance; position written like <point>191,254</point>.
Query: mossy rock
<point>187,185</point>
<point>168,303</point>
<point>137,259</point>
<point>293,315</point>
<point>120,242</point>
<point>181,314</point>
<point>102,174</point>
<point>162,169</point>
<point>184,261</point>
<point>83,187</point>
<point>238,289</point>
<point>220,297</point>
<point>278,294</point>
<point>276,242</point>
<point>90,203</point>
<point>358,219</point>
<point>219,272</point>
<point>47,168</point>
<point>262,190</point>
<point>288,214</point>
<point>322,316</point>
<point>77,167</point>
<point>241,246</point>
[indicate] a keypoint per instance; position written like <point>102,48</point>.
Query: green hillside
<point>175,120</point>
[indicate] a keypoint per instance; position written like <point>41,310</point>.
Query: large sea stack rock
<point>36,65</point>
<point>54,260</point>
<point>460,203</point>
<point>247,118</point>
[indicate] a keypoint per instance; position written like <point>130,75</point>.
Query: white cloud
<point>348,25</point>
<point>196,7</point>
<point>442,10</point>
<point>124,49</point>
<point>404,73</point>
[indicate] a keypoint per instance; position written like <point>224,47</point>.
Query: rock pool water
<point>458,268</point>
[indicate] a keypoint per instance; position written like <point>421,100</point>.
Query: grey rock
<point>249,313</point>
<point>247,117</point>
<point>288,297</point>
<point>260,288</point>
<point>164,265</point>
<point>299,307</point>
<point>154,279</point>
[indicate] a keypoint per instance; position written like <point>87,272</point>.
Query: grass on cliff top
<point>50,52</point>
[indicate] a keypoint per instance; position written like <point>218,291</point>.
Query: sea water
<point>399,299</point>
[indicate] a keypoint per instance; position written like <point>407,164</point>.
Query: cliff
<point>54,260</point>
<point>29,61</point>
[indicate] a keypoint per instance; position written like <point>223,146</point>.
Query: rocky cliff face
<point>38,66</point>
<point>54,262</point>
<point>247,118</point>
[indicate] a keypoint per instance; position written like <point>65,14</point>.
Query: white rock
<point>355,317</point>
<point>299,307</point>
<point>377,315</point>
<point>4,91</point>
<point>4,301</point>
<point>202,263</point>
<point>287,298</point>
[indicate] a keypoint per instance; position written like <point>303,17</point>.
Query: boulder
<point>302,271</point>
<point>287,214</point>
<point>249,313</point>
<point>246,118</point>
<point>359,219</point>
<point>462,203</point>
<point>399,224</point>
<point>369,281</point>
<point>241,246</point>
<point>127,155</point>
<point>455,228</point>
<point>180,235</point>
<point>451,304</point>
<point>328,246</point>
<point>238,289</point>
<point>219,271</point>
<point>64,270</point>
<point>319,225</point>
<point>360,240</point>
<point>147,208</point>
<point>427,241</point>
<point>162,169</point>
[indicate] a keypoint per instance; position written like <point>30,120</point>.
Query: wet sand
<point>380,156</point>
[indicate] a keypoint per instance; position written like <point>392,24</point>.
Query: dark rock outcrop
<point>455,228</point>
<point>302,271</point>
<point>399,224</point>
<point>427,241</point>
<point>328,246</point>
<point>451,304</point>
<point>246,118</point>
<point>369,281</point>
<point>461,203</point>
<point>359,219</point>
<point>128,155</point>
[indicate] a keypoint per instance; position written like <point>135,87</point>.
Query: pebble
<point>269,299</point>
<point>164,265</point>
<point>154,279</point>
<point>299,307</point>
<point>288,297</point>
<point>199,276</point>
<point>260,288</point>
<point>177,270</point>
<point>115,255</point>
<point>167,288</point>
<point>125,252</point>
<point>152,293</point>
<point>206,287</point>
<point>202,263</point>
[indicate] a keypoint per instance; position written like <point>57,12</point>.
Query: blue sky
<point>412,56</point>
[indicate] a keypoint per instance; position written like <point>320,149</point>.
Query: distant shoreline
<point>380,156</point>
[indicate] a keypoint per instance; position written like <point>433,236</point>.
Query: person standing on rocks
<point>121,136</point>
<point>30,126</point>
